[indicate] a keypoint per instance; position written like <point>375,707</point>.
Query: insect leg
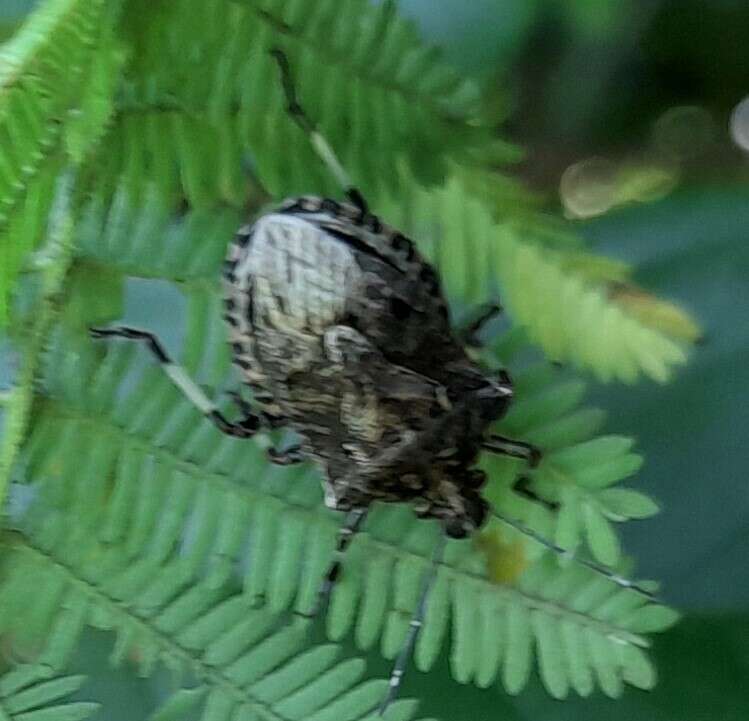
<point>468,334</point>
<point>352,523</point>
<point>516,449</point>
<point>321,146</point>
<point>417,620</point>
<point>287,457</point>
<point>245,428</point>
<point>522,487</point>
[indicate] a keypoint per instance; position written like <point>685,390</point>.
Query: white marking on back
<point>302,275</point>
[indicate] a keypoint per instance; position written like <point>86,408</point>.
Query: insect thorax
<point>341,329</point>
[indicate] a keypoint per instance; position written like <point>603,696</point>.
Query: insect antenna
<point>414,626</point>
<point>321,146</point>
<point>564,552</point>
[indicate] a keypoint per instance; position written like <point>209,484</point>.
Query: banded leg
<point>468,334</point>
<point>516,449</point>
<point>321,146</point>
<point>414,626</point>
<point>245,428</point>
<point>352,523</point>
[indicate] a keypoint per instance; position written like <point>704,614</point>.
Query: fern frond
<point>146,521</point>
<point>87,122</point>
<point>568,315</point>
<point>239,660</point>
<point>54,265</point>
<point>187,120</point>
<point>33,693</point>
<point>157,479</point>
<point>578,467</point>
<point>42,83</point>
<point>148,240</point>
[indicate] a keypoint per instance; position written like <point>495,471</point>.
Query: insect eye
<point>399,308</point>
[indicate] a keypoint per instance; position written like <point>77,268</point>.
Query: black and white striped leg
<point>592,565</point>
<point>352,523</point>
<point>468,334</point>
<point>516,449</point>
<point>245,428</point>
<point>321,146</point>
<point>414,626</point>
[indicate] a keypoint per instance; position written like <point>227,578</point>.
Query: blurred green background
<point>630,117</point>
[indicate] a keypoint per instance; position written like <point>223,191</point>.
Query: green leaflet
<point>44,91</point>
<point>349,55</point>
<point>178,704</point>
<point>56,260</point>
<point>237,657</point>
<point>34,693</point>
<point>162,506</point>
<point>567,313</point>
<point>577,470</point>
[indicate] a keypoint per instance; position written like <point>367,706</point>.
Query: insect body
<point>340,327</point>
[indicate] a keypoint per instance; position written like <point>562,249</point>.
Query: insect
<point>340,328</point>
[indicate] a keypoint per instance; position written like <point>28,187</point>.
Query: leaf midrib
<point>164,641</point>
